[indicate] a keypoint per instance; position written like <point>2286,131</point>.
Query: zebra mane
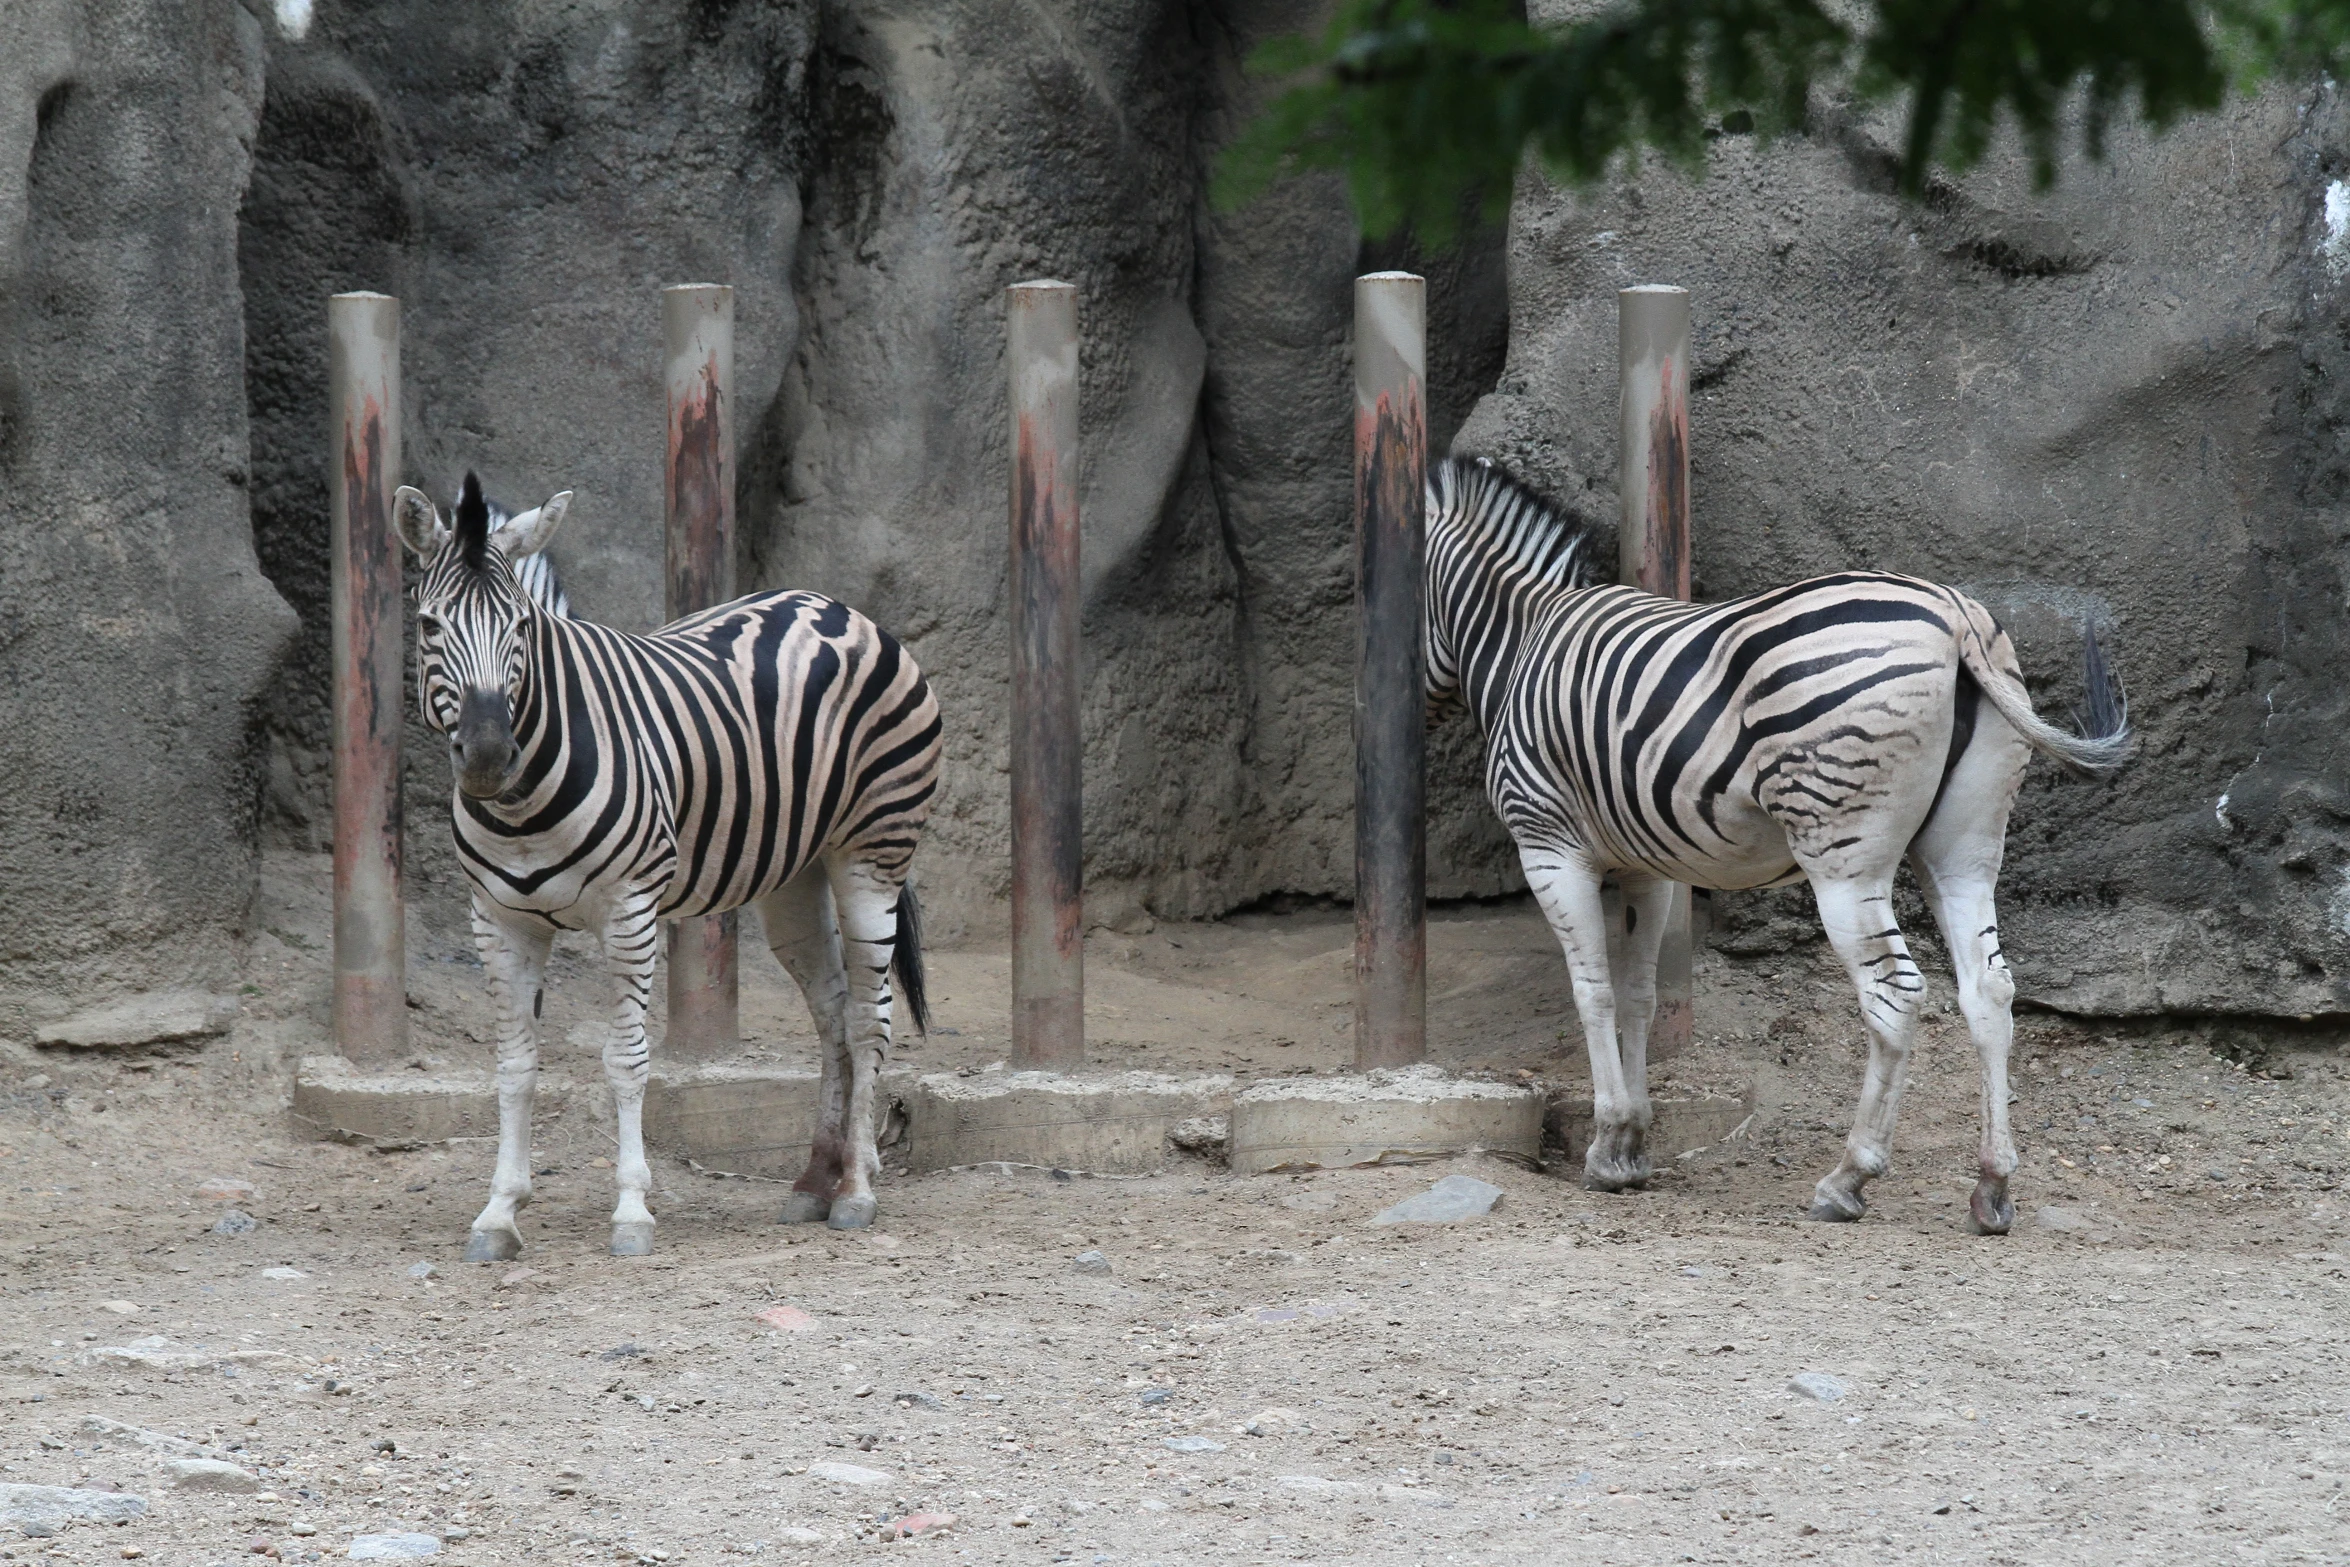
<point>1508,521</point>
<point>473,524</point>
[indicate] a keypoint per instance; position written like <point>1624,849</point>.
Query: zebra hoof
<point>1829,1206</point>
<point>852,1213</point>
<point>1990,1211</point>
<point>633,1238</point>
<point>1615,1175</point>
<point>492,1246</point>
<point>802,1208</point>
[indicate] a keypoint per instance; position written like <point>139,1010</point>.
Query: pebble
<point>224,1188</point>
<point>1194,1444</point>
<point>210,1474</point>
<point>99,1425</point>
<point>1157,1395</point>
<point>261,1545</point>
<point>235,1222</point>
<point>1090,1262</point>
<point>790,1319</point>
<point>393,1547</point>
<point>847,1474</point>
<point>423,1270</point>
<point>131,1553</point>
<point>1454,1198</point>
<point>283,1273</point>
<point>121,1308</point>
<point>918,1400</point>
<point>44,1507</point>
<point>915,1525</point>
<point>518,1277</point>
<point>1816,1384</point>
<point>795,1535</point>
<point>2053,1216</point>
<point>1272,1422</point>
<point>305,1530</point>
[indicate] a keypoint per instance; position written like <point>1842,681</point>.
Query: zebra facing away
<point>780,750</point>
<point>1824,730</point>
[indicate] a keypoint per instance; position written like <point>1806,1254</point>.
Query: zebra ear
<point>529,533</point>
<point>419,522</point>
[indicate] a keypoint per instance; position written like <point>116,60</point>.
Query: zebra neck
<point>1495,619</point>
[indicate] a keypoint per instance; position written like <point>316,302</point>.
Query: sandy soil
<point>2151,1367</point>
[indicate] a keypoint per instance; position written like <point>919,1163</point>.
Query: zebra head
<point>472,621</point>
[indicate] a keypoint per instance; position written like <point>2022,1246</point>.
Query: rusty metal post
<point>370,656</point>
<point>1048,821</point>
<point>697,329</point>
<point>1391,554</point>
<point>1653,354</point>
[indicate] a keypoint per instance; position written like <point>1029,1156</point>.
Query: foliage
<point>1428,106</point>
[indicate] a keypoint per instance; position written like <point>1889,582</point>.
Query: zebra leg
<point>804,933</point>
<point>1636,932</point>
<point>516,958</point>
<point>1569,893</point>
<point>1858,917</point>
<point>632,938</point>
<point>867,898</point>
<point>1986,994</point>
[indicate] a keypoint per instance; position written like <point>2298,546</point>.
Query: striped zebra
<point>780,751</point>
<point>1824,730</point>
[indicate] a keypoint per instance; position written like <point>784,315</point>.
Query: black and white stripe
<point>1825,730</point>
<point>779,751</point>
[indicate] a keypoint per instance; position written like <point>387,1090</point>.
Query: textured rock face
<point>135,630</point>
<point>2116,405</point>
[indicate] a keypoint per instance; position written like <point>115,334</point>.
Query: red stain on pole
<point>1047,754</point>
<point>370,1003</point>
<point>705,1020</point>
<point>1664,554</point>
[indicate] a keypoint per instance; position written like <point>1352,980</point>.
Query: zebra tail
<point>2106,739</point>
<point>908,958</point>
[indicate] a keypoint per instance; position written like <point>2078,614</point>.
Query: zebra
<point>534,573</point>
<point>780,751</point>
<point>1824,730</point>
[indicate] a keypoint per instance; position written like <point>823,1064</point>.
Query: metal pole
<point>371,937</point>
<point>697,331</point>
<point>1653,350</point>
<point>1048,822</point>
<point>1391,553</point>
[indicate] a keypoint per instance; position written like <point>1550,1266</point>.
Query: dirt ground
<point>2150,1367</point>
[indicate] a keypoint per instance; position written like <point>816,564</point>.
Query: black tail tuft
<point>473,523</point>
<point>908,959</point>
<point>2107,710</point>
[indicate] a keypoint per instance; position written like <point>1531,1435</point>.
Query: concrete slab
<point>1399,1116</point>
<point>744,1118</point>
<point>1111,1123</point>
<point>332,1098</point>
<point>1681,1125</point>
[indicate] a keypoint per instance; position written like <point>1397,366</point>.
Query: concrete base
<point>741,1118</point>
<point>1111,1124</point>
<point>1401,1116</point>
<point>1680,1125</point>
<point>335,1099</point>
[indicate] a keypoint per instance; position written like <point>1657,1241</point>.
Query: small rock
<point>1272,1422</point>
<point>1816,1384</point>
<point>1194,1444</point>
<point>393,1547</point>
<point>1454,1198</point>
<point>1157,1395</point>
<point>789,1319</point>
<point>1201,1133</point>
<point>235,1222</point>
<point>914,1525</point>
<point>131,1553</point>
<point>283,1273</point>
<point>917,1400</point>
<point>383,1444</point>
<point>121,1308</point>
<point>159,1018</point>
<point>1090,1262</point>
<point>516,1278</point>
<point>2054,1216</point>
<point>423,1270</point>
<point>99,1425</point>
<point>45,1507</point>
<point>261,1545</point>
<point>224,1188</point>
<point>847,1474</point>
<point>210,1474</point>
<point>305,1530</point>
<point>795,1535</point>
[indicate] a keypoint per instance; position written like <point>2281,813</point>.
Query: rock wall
<point>2115,405</point>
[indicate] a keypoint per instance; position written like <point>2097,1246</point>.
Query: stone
<point>787,1319</point>
<point>1201,1133</point>
<point>2054,1216</point>
<point>211,1474</point>
<point>162,1018</point>
<point>48,1507</point>
<point>1816,1385</point>
<point>421,1271</point>
<point>1317,1485</point>
<point>1404,1115</point>
<point>1454,1198</point>
<point>157,1353</point>
<point>224,1188</point>
<point>121,1308</point>
<point>139,1436</point>
<point>393,1547</point>
<point>1273,1422</point>
<point>235,1222</point>
<point>915,1525</point>
<point>1681,1123</point>
<point>795,1534</point>
<point>1090,1262</point>
<point>283,1275</point>
<point>333,1098</point>
<point>1193,1444</point>
<point>1156,1395</point>
<point>847,1474</point>
<point>1110,1123</point>
<point>918,1400</point>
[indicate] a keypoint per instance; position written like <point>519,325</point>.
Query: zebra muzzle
<point>482,751</point>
